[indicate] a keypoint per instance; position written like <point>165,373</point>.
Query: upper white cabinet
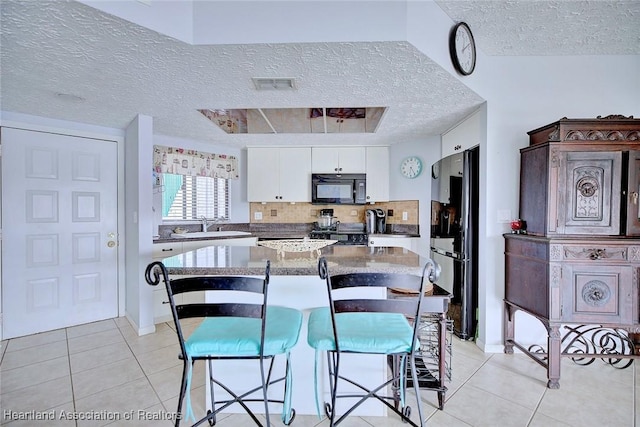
<point>278,174</point>
<point>462,137</point>
<point>338,160</point>
<point>377,165</point>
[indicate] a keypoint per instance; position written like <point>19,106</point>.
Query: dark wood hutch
<point>576,269</point>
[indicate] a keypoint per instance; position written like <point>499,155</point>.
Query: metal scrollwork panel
<point>596,342</point>
<point>584,344</point>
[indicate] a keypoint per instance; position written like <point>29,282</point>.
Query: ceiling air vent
<point>281,83</point>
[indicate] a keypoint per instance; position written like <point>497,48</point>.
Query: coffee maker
<point>381,221</point>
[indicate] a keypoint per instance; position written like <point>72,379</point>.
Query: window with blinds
<point>192,197</point>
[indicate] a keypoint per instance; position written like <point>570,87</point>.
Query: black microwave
<point>338,189</point>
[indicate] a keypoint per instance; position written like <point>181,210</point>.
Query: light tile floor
<point>105,370</point>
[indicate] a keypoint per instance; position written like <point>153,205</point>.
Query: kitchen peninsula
<point>294,282</point>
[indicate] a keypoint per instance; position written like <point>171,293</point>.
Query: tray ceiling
<point>65,60</point>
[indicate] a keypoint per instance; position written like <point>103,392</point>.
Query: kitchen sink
<point>206,234</point>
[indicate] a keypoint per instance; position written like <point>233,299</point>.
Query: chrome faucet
<point>206,222</point>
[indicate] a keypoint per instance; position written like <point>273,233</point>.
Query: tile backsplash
<point>281,212</point>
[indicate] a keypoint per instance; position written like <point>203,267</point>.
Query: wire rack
<point>428,357</point>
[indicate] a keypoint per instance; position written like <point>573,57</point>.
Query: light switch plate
<point>405,216</point>
<point>257,216</point>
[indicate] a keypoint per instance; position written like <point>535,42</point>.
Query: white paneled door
<point>59,237</point>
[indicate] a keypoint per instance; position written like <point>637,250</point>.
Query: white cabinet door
<point>295,179</point>
<point>324,160</point>
<point>352,160</point>
<point>263,174</point>
<point>377,174</point>
<point>338,160</point>
<point>164,250</point>
<point>279,174</point>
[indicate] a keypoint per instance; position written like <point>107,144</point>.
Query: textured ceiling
<point>539,27</point>
<point>120,69</point>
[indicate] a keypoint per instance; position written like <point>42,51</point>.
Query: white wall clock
<point>411,167</point>
<point>462,48</point>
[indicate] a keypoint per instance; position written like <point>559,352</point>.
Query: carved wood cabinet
<point>578,263</point>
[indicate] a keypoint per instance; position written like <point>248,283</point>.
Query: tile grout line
<point>73,394</point>
<point>146,376</point>
<point>535,410</point>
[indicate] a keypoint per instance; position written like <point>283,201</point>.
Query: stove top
<point>345,234</point>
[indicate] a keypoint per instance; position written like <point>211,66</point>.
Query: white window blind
<point>192,197</point>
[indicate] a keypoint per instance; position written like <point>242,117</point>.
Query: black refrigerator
<point>454,235</point>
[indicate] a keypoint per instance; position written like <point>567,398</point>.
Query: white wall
<point>138,222</point>
<point>285,22</point>
<point>401,188</point>
<point>171,17</point>
<point>524,93</point>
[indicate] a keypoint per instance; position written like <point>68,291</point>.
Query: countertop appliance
<point>370,221</point>
<point>381,221</point>
<point>326,220</point>
<point>454,235</point>
<point>338,189</point>
<point>345,234</point>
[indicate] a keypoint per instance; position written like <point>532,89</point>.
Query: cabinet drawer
<point>528,248</point>
<point>596,252</point>
<point>163,250</point>
<point>598,294</point>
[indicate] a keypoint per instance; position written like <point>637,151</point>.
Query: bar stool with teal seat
<point>384,327</point>
<point>231,330</point>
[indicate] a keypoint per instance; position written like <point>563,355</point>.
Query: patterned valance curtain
<point>179,161</point>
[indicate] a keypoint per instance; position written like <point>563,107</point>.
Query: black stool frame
<point>410,307</point>
<point>183,311</point>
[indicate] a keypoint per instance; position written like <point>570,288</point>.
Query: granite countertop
<point>251,260</point>
<point>273,231</point>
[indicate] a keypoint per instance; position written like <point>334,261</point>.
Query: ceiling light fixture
<point>269,83</point>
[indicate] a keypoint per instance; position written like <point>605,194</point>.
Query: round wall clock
<point>462,48</point>
<point>411,167</point>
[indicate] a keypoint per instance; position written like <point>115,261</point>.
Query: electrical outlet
<point>257,216</point>
<point>274,212</point>
<point>354,213</point>
<point>405,216</point>
<point>389,212</point>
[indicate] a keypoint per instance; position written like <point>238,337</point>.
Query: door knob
<point>111,243</point>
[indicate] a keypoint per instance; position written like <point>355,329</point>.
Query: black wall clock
<point>462,48</point>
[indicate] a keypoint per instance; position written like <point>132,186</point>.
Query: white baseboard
<point>140,331</point>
